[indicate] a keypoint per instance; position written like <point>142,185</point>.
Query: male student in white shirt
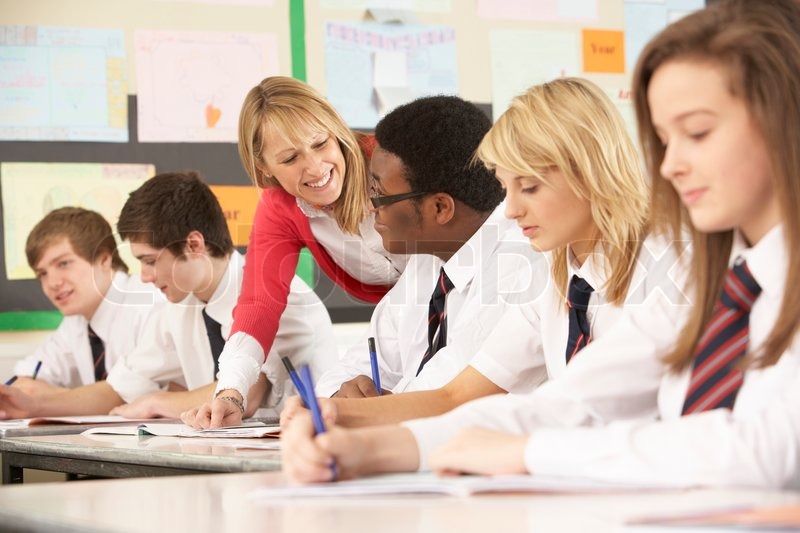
<point>179,233</point>
<point>74,255</point>
<point>430,201</point>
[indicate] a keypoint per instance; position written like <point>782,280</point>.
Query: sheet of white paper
<point>452,486</point>
<point>251,430</point>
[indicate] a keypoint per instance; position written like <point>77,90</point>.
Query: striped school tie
<point>577,302</point>
<point>98,355</point>
<point>716,379</point>
<point>437,318</point>
<point>215,339</point>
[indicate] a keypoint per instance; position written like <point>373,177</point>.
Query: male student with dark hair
<point>75,258</point>
<point>178,231</point>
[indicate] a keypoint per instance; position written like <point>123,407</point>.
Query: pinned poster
<point>359,58</point>
<point>239,204</point>
<point>552,54</point>
<point>191,85</point>
<point>538,10</point>
<point>645,18</point>
<point>390,78</point>
<point>31,190</point>
<point>603,51</point>
<point>63,84</point>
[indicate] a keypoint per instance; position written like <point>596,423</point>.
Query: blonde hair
<point>289,106</point>
<point>571,124</point>
<point>758,46</point>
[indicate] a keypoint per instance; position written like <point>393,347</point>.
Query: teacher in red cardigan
<point>313,172</point>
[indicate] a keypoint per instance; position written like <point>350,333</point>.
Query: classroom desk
<point>220,503</point>
<point>132,456</point>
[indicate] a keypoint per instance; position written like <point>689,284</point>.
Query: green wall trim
<point>29,320</point>
<point>297,29</point>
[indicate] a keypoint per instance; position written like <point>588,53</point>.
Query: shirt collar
<point>220,306</point>
<point>767,260</point>
<point>103,318</point>
<point>309,210</point>
<point>468,260</point>
<point>594,269</point>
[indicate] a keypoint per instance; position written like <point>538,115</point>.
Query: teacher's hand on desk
<point>224,410</point>
<point>481,451</point>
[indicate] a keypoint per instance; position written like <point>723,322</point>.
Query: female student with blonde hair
<point>719,121</point>
<point>313,172</point>
<point>574,184</point>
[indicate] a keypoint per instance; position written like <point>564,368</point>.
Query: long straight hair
<point>572,125</point>
<point>289,107</point>
<point>757,44</point>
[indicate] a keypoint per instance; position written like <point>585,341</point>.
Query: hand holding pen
<point>12,379</point>
<point>313,405</point>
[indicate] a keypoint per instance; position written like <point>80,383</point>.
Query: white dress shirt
<point>362,256</point>
<point>756,444</point>
<point>177,348</point>
<point>492,271</point>
<point>119,321</point>
<point>616,376</point>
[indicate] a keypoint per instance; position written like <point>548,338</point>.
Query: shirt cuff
<point>128,384</point>
<point>239,364</point>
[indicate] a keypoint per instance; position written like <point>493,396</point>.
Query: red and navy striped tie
<point>98,355</point>
<point>437,319</point>
<point>580,334</point>
<point>716,377</point>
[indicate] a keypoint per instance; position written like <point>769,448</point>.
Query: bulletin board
<point>366,56</point>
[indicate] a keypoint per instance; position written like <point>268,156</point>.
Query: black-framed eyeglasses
<point>383,201</point>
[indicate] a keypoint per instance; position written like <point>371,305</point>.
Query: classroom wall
<point>299,28</point>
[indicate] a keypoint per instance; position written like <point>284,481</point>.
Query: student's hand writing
<point>16,403</point>
<point>148,406</point>
<point>308,458</point>
<point>36,386</point>
<point>358,387</point>
<point>294,405</point>
<point>480,451</point>
<point>214,414</point>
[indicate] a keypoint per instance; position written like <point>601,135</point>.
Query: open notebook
<point>449,486</point>
<point>74,420</point>
<point>249,430</point>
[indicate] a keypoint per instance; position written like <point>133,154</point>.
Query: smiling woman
<point>313,172</point>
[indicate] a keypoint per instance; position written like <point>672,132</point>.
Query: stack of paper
<point>251,430</point>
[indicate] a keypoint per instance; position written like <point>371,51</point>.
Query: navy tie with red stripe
<point>716,376</point>
<point>437,319</point>
<point>98,355</point>
<point>580,334</point>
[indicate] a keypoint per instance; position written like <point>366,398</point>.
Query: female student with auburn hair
<point>719,120</point>
<point>574,184</point>
<point>313,172</point>
<point>581,199</point>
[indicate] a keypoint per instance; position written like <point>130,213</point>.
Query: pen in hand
<point>11,380</point>
<point>313,405</point>
<point>36,370</point>
<point>298,384</point>
<point>373,360</point>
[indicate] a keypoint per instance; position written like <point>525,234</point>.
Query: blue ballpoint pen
<point>36,370</point>
<point>298,384</point>
<point>313,405</point>
<point>373,361</point>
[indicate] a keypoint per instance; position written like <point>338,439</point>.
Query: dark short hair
<point>168,207</point>
<point>88,232</point>
<point>435,137</point>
